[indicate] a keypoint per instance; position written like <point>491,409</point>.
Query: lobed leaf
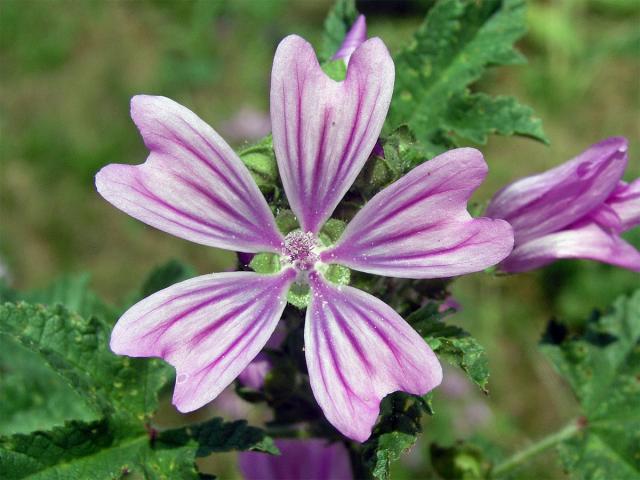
<point>451,50</point>
<point>77,349</point>
<point>602,365</point>
<point>452,343</point>
<point>107,449</point>
<point>395,433</point>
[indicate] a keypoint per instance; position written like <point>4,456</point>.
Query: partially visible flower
<point>194,186</point>
<point>352,40</point>
<point>576,210</point>
<point>450,305</point>
<point>311,459</point>
<point>247,124</point>
<point>254,375</point>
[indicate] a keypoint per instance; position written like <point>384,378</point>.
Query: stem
<point>549,441</point>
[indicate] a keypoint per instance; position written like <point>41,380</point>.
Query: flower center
<point>299,249</point>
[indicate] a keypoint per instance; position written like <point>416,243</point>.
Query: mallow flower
<point>193,185</point>
<point>310,459</point>
<point>576,210</point>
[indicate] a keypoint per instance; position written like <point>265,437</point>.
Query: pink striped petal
<point>355,37</point>
<point>419,227</point>
<point>192,185</point>
<point>587,240</point>
<point>552,200</point>
<point>309,459</point>
<point>209,328</point>
<point>625,201</point>
<point>358,350</point>
<point>323,130</point>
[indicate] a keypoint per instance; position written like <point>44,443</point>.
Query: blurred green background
<point>69,68</point>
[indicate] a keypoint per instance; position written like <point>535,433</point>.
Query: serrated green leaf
<point>106,450</point>
<point>475,116</point>
<point>336,26</point>
<point>452,343</point>
<point>77,349</point>
<point>452,48</point>
<point>32,397</point>
<point>396,432</point>
<point>216,435</point>
<point>602,365</point>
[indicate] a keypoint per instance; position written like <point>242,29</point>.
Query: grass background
<point>69,68</point>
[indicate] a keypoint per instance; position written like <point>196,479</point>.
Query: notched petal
<point>358,350</point>
<point>419,226</point>
<point>209,328</point>
<point>323,130</point>
<point>192,185</point>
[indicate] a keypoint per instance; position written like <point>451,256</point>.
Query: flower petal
<point>312,459</point>
<point>549,201</point>
<point>192,184</point>
<point>355,37</point>
<point>323,130</point>
<point>209,328</point>
<point>358,350</point>
<point>625,201</point>
<point>419,227</point>
<point>587,240</point>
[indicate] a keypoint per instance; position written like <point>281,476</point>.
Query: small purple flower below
<point>194,186</point>
<point>576,210</point>
<point>311,459</point>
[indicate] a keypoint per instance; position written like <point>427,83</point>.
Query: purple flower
<point>194,186</point>
<point>355,37</point>
<point>256,372</point>
<point>312,459</point>
<point>576,210</point>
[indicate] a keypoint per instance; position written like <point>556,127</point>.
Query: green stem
<point>538,447</point>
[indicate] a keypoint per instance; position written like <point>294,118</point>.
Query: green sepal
<point>336,70</point>
<point>286,221</point>
<point>260,159</point>
<point>265,263</point>
<point>338,274</point>
<point>299,295</point>
<point>331,231</point>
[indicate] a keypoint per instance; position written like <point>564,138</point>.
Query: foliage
<point>99,421</point>
<point>452,49</point>
<point>452,343</point>
<point>602,365</point>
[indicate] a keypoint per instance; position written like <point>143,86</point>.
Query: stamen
<point>299,249</point>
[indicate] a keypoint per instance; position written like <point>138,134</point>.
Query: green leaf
<point>166,275</point>
<point>77,349</point>
<point>73,292</point>
<point>395,433</point>
<point>451,343</point>
<point>336,26</point>
<point>216,435</point>
<point>602,365</point>
<point>462,461</point>
<point>451,50</point>
<point>32,397</point>
<point>104,450</point>
<point>475,116</point>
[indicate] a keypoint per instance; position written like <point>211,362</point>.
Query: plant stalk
<point>549,441</point>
